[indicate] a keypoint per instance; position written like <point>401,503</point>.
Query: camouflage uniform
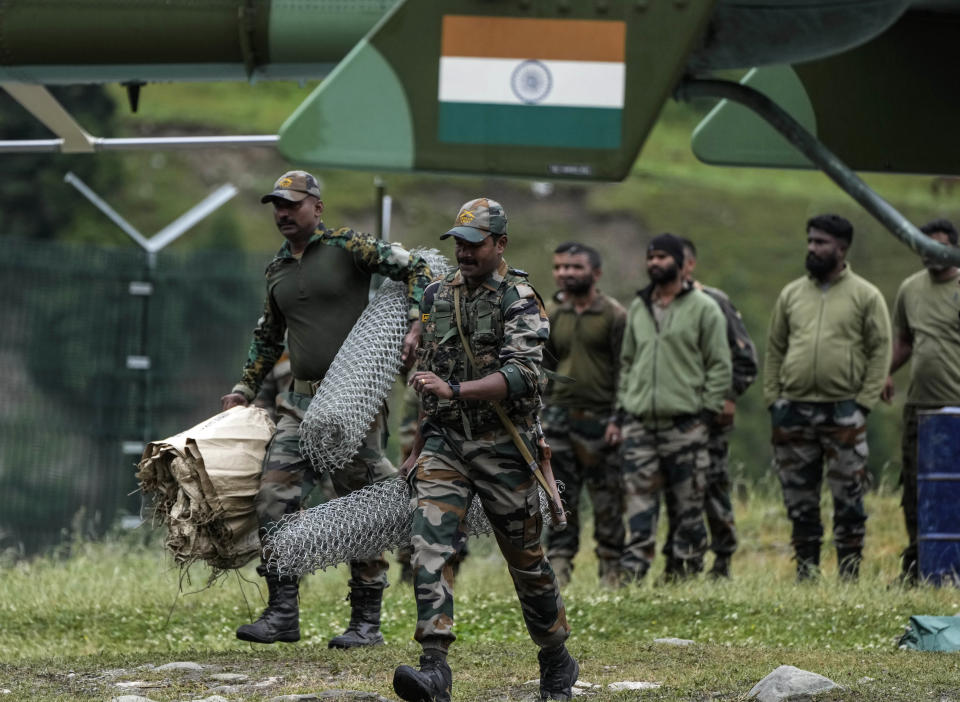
<point>315,300</point>
<point>676,368</point>
<point>587,348</point>
<point>805,434</point>
<point>667,457</point>
<point>828,352</point>
<point>274,389</point>
<point>717,503</point>
<point>406,434</point>
<point>467,451</point>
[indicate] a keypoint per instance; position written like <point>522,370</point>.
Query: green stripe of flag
<point>529,125</point>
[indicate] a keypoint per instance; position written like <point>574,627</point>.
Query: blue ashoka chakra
<point>531,82</point>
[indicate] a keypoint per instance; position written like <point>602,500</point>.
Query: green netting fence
<point>98,353</point>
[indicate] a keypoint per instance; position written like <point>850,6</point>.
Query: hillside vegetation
<point>747,223</point>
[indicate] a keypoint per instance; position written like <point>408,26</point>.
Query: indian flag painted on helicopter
<point>532,82</point>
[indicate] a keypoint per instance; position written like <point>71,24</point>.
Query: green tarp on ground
<point>928,633</point>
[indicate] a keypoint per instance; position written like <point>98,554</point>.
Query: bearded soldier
<point>479,378</point>
<point>828,351</point>
<point>927,335</point>
<point>674,370</point>
<point>586,332</point>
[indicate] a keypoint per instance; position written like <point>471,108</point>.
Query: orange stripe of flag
<point>524,38</point>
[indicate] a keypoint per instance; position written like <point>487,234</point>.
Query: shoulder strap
<point>463,337</point>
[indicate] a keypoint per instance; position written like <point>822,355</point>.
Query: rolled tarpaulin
<point>202,483</point>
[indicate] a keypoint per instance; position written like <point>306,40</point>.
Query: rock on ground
<point>672,641</point>
<point>229,677</point>
<point>180,665</point>
<point>633,685</point>
<point>342,695</point>
<point>788,682</point>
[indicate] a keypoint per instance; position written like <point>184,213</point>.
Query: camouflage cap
<point>293,186</point>
<point>477,219</point>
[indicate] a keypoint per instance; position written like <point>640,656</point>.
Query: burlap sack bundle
<point>202,483</point>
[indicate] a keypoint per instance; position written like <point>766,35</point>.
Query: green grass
<point>119,605</point>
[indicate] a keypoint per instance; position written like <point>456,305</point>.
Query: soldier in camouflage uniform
<point>277,383</point>
<point>674,372</point>
<point>462,449</point>
<point>828,351</point>
<point>406,433</point>
<point>743,355</point>
<point>586,331</point>
<point>317,286</point>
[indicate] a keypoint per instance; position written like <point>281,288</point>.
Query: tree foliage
<point>31,183</point>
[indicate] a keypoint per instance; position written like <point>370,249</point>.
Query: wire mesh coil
<point>363,524</point>
<point>361,375</point>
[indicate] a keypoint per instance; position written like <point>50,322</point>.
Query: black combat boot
<point>848,564</point>
<point>280,621</point>
<point>909,573</point>
<point>721,567</point>
<point>808,562</point>
<point>558,673</point>
<point>672,572</point>
<point>364,627</point>
<point>431,683</point>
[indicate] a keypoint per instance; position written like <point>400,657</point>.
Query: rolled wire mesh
<point>361,375</point>
<point>366,522</point>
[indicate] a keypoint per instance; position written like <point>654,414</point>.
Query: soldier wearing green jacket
<point>675,371</point>
<point>828,352</point>
<point>743,355</point>
<point>317,286</point>
<point>927,334</point>
<point>484,328</point>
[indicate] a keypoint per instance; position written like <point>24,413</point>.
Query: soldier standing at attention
<point>925,332</point>
<point>674,374</point>
<point>828,352</point>
<point>317,286</point>
<point>483,336</point>
<point>743,355</point>
<point>586,331</point>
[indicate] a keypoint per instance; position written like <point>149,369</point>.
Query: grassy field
<point>76,624</point>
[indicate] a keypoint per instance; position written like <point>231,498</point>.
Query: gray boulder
<point>790,683</point>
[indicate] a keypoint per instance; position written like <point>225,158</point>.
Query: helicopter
<point>542,89</point>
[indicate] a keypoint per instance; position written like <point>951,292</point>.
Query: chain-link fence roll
<point>366,522</point>
<point>361,375</point>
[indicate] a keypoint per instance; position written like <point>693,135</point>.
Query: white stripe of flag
<point>572,83</point>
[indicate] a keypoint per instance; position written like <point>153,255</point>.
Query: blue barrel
<point>938,495</point>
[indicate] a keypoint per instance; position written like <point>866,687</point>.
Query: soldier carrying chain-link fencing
<point>366,522</point>
<point>361,375</point>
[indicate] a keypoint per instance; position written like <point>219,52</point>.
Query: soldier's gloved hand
<point>232,399</point>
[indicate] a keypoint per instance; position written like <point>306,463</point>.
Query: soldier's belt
<point>306,387</point>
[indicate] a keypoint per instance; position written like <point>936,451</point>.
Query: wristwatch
<point>456,389</point>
